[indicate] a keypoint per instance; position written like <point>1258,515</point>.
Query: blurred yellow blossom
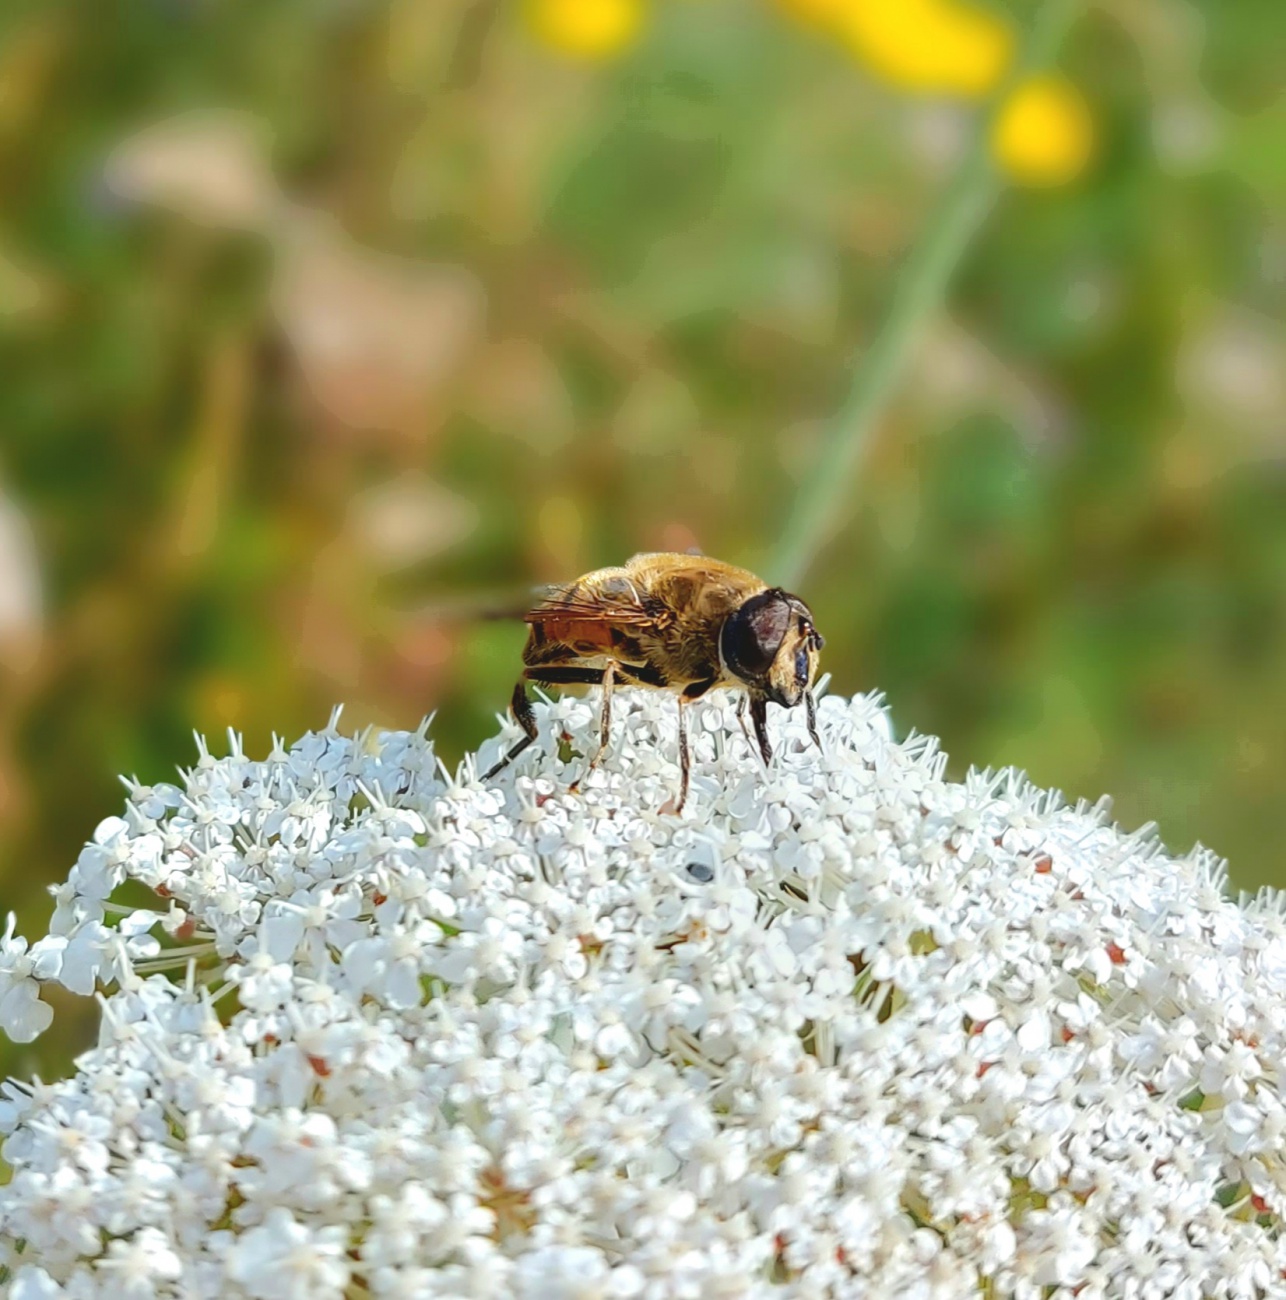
<point>1044,135</point>
<point>587,29</point>
<point>937,46</point>
<point>928,45</point>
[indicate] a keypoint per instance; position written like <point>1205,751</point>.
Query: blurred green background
<point>327,325</point>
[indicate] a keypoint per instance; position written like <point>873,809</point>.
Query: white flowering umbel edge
<point>844,1028</point>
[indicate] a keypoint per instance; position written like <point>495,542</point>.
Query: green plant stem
<point>921,289</point>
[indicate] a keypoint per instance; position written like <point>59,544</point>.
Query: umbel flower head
<point>844,1028</point>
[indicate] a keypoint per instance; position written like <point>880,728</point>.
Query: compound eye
<point>801,666</point>
<point>752,638</point>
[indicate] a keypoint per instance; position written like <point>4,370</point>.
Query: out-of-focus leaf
<point>29,57</point>
<point>517,390</point>
<point>1231,370</point>
<point>658,415</point>
<point>1255,150</point>
<point>24,293</point>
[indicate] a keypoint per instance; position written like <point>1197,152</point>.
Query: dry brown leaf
<point>376,337</point>
<point>210,166</point>
<point>408,519</point>
<point>21,602</point>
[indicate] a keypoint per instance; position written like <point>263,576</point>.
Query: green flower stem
<point>921,289</point>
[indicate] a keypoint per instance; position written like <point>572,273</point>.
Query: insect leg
<point>605,725</point>
<point>526,719</point>
<point>644,674</point>
<point>547,675</point>
<point>685,754</point>
<point>810,706</point>
<point>742,701</point>
<point>759,716</point>
<point>675,806</point>
<point>695,690</point>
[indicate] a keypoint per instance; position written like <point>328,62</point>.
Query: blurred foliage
<point>327,326</point>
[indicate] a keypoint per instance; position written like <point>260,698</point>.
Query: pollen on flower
<point>831,1032</point>
<point>587,29</point>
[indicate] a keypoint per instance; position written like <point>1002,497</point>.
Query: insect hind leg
<point>526,719</point>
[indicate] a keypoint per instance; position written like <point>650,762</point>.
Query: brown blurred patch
<point>376,337</point>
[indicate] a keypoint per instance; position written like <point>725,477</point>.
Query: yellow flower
<point>1044,135</point>
<point>587,29</point>
<point>936,46</point>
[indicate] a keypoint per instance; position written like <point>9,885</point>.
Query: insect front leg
<point>759,717</point>
<point>526,719</point>
<point>742,701</point>
<point>810,708</point>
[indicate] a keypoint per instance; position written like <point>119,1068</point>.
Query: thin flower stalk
<point>817,508</point>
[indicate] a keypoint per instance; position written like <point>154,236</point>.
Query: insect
<point>681,623</point>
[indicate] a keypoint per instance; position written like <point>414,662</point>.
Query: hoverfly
<point>680,623</point>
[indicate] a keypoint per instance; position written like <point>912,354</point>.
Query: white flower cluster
<point>844,1028</point>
